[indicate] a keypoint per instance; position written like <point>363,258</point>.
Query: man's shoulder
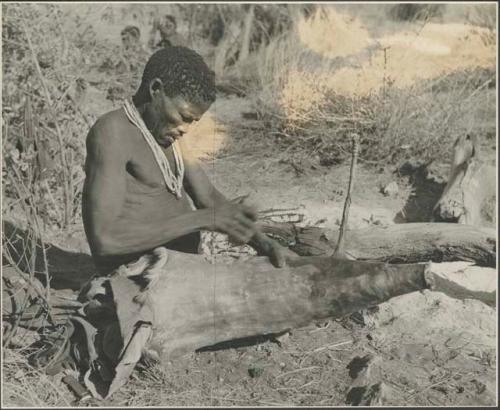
<point>109,127</point>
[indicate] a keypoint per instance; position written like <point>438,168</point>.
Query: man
<point>126,62</point>
<point>133,55</point>
<point>139,173</point>
<point>131,36</point>
<point>168,33</point>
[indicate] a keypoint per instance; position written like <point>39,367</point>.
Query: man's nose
<point>182,129</point>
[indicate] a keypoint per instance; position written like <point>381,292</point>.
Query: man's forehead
<point>196,109</point>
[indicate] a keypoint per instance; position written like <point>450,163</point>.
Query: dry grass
<point>25,386</point>
<point>391,95</point>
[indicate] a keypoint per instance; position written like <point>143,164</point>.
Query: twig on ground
<point>303,369</point>
<point>330,346</point>
<point>321,328</point>
<point>448,378</point>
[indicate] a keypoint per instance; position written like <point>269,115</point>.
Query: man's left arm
<point>205,195</point>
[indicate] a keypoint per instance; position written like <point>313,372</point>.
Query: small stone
<point>282,365</point>
<point>391,189</point>
<point>377,394</point>
<point>19,374</point>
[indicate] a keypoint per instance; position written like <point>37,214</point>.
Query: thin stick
<point>279,211</point>
<point>297,370</point>
<point>329,347</point>
<point>339,249</point>
<point>428,387</point>
<point>35,222</point>
<point>65,168</point>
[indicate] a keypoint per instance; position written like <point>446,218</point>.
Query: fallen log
<point>195,304</point>
<point>400,243</point>
<point>171,303</point>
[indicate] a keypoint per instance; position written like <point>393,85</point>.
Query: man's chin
<point>166,141</point>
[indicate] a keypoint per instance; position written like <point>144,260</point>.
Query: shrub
<point>315,99</point>
<point>415,11</point>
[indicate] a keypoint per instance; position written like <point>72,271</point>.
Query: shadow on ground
<point>426,193</point>
<point>66,269</point>
<point>243,342</point>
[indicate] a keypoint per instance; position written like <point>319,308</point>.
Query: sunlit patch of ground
<point>333,34</point>
<point>403,57</point>
<point>209,135</point>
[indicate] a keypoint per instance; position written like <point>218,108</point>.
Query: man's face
<point>167,28</point>
<point>173,116</point>
<point>128,40</point>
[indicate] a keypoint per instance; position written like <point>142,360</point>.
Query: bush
<point>415,11</point>
<point>312,111</point>
<point>44,74</point>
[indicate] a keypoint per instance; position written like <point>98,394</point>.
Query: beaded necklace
<point>173,182</point>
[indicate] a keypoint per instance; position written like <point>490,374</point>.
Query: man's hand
<point>236,220</point>
<point>278,255</point>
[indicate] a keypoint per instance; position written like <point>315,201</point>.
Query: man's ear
<point>155,87</point>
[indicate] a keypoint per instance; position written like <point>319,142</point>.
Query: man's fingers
<point>244,235</point>
<point>249,211</point>
<point>246,222</point>
<point>242,225</point>
<point>279,258</point>
<point>238,238</point>
<point>238,232</point>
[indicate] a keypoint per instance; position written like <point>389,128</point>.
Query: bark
<point>401,243</point>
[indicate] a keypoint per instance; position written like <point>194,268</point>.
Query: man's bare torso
<point>147,199</point>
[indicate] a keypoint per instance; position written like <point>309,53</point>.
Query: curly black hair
<point>182,71</point>
<point>171,18</point>
<point>134,30</point>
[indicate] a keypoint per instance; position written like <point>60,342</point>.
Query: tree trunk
<point>196,304</point>
<point>231,34</point>
<point>171,303</point>
<point>401,243</point>
<point>247,31</point>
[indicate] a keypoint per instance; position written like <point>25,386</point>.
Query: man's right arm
<point>111,232</point>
